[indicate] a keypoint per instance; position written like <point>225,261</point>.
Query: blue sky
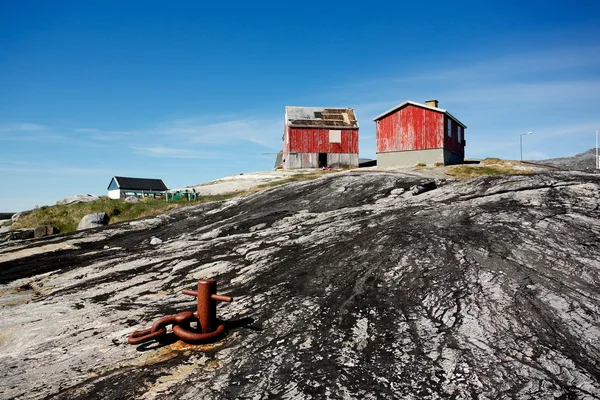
<point>189,92</point>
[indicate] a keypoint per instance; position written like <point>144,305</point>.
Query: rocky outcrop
<point>80,198</point>
<point>19,234</point>
<point>15,217</point>
<point>344,287</point>
<point>94,220</point>
<point>131,199</point>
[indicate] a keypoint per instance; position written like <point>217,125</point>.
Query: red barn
<point>413,133</point>
<point>317,137</point>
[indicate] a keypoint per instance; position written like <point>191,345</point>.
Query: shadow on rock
<point>171,338</point>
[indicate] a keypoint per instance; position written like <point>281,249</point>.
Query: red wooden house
<point>413,133</point>
<point>317,137</point>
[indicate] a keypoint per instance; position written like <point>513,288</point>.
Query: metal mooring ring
<point>145,335</point>
<point>188,336</point>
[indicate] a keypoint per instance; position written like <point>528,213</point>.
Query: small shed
<point>121,187</point>
<point>413,133</point>
<point>316,137</point>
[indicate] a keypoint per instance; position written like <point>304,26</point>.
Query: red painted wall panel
<point>410,128</point>
<point>316,140</point>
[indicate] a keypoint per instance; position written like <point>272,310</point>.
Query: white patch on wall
<point>335,136</point>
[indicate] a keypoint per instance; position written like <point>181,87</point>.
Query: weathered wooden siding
<point>452,142</point>
<point>316,140</point>
<point>410,128</point>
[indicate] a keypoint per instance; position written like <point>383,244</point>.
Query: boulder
<point>93,221</point>
<point>80,198</point>
<point>44,230</point>
<point>131,199</point>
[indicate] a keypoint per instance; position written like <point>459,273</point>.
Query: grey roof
<point>321,117</point>
<point>414,103</point>
<point>140,184</point>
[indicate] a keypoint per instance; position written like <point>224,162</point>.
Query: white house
<point>121,187</point>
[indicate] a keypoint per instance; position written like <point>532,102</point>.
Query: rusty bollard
<point>206,316</point>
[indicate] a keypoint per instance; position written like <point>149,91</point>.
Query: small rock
<point>424,187</point>
<point>155,241</point>
<point>93,221</point>
<point>131,199</point>
<point>397,192</point>
<point>44,230</point>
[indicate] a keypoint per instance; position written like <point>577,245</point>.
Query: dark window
<point>318,114</point>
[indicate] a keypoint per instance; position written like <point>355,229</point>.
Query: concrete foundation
<point>311,160</point>
<point>411,158</point>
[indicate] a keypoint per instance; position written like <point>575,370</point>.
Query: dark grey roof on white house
<point>320,117</point>
<point>414,103</point>
<point>139,184</point>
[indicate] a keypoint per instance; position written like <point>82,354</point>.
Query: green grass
<point>7,223</point>
<point>491,160</point>
<point>467,171</point>
<point>67,217</point>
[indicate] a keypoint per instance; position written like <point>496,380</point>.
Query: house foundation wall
<point>414,157</point>
<point>311,160</point>
<point>409,158</point>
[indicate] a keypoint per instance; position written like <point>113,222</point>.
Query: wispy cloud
<point>56,170</point>
<point>170,152</point>
<point>194,138</point>
<point>264,132</point>
<point>22,127</point>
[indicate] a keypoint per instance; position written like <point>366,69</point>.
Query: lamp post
<point>597,158</point>
<point>523,134</point>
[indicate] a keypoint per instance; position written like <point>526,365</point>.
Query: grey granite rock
<point>483,289</point>
<point>93,221</point>
<point>80,198</point>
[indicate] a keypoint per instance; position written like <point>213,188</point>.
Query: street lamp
<point>523,134</point>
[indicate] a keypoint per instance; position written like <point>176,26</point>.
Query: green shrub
<point>492,160</point>
<point>467,171</point>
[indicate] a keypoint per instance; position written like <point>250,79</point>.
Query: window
<point>335,136</point>
<point>460,134</point>
<point>449,127</point>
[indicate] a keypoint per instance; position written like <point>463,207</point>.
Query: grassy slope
<point>67,217</point>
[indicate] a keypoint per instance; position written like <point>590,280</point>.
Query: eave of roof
<point>414,103</point>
